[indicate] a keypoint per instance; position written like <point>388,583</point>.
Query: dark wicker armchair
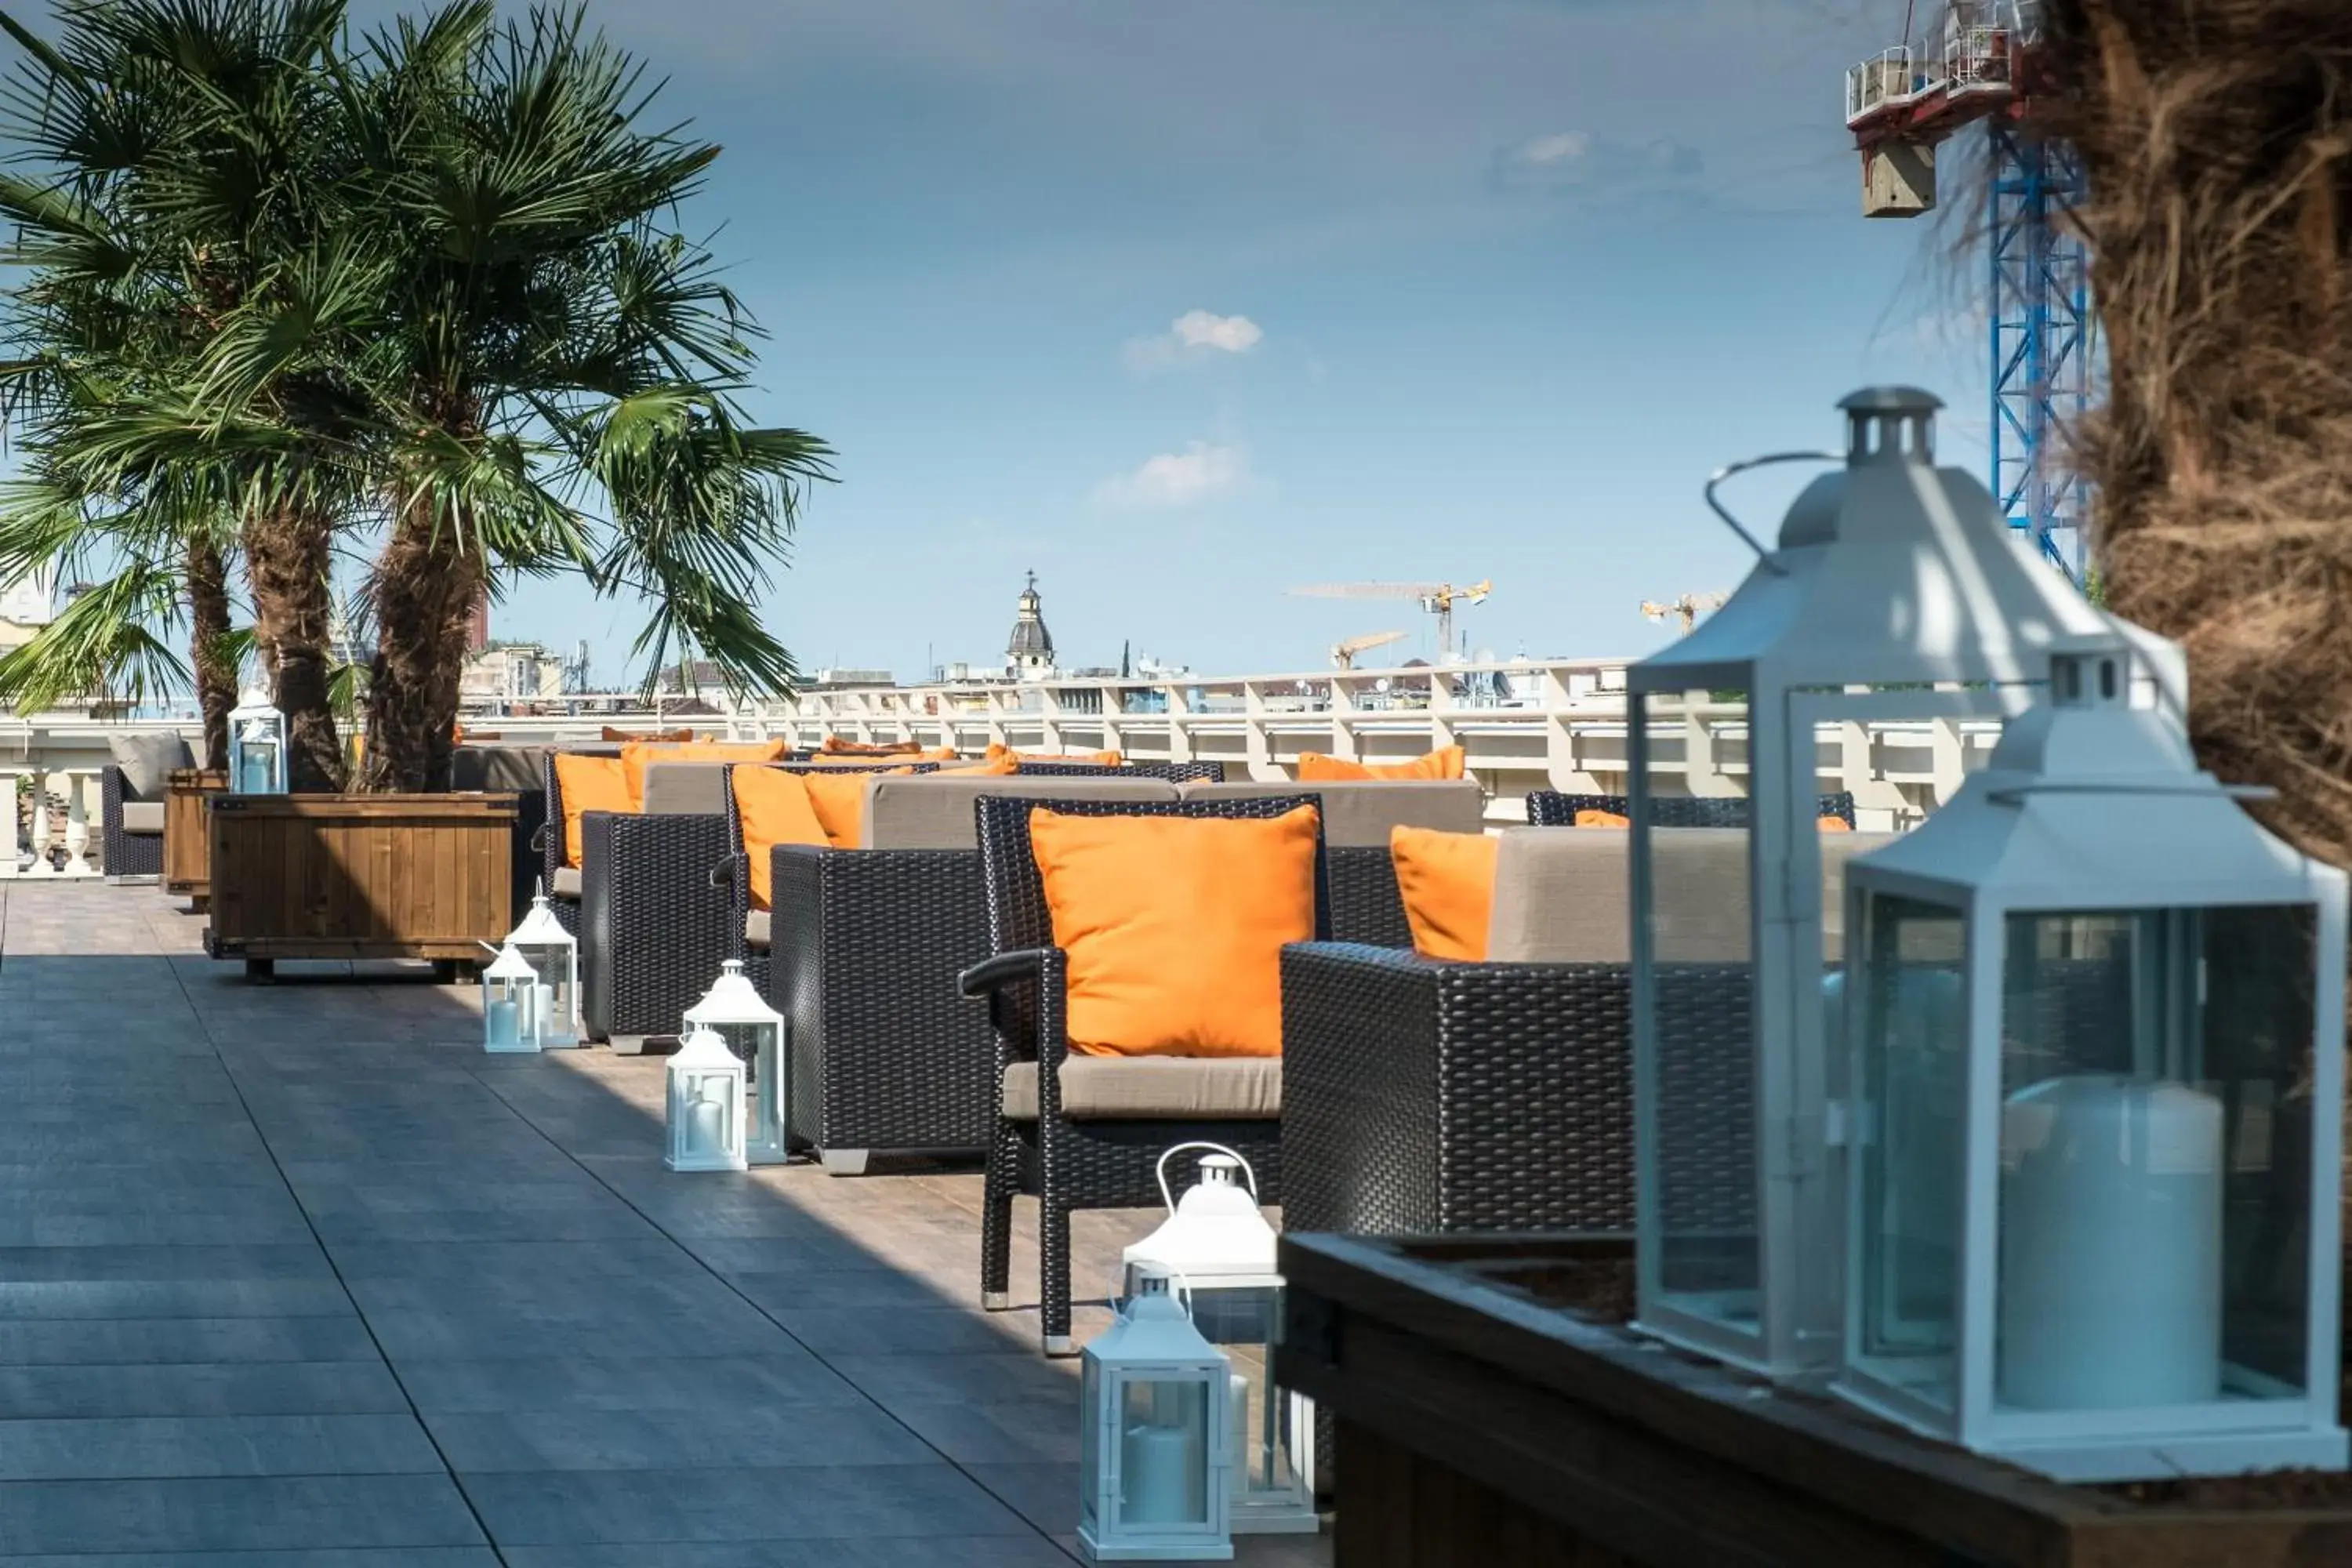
<point>1551,808</point>
<point>1174,772</point>
<point>1071,1161</point>
<point>131,844</point>
<point>861,953</point>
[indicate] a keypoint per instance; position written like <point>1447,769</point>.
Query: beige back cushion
<point>936,812</point>
<point>686,789</point>
<point>1357,813</point>
<point>1562,894</point>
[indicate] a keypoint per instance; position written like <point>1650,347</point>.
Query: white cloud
<point>1199,473</point>
<point>1194,337</point>
<point>1581,162</point>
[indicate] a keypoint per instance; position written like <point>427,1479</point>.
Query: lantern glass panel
<point>2152,1208</point>
<point>558,1010</point>
<point>257,767</point>
<point>707,1108</point>
<point>1913,1092</point>
<point>1702,976</point>
<point>1163,1453</point>
<point>1245,1322</point>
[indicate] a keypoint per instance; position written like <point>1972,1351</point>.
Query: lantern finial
<point>1891,424</point>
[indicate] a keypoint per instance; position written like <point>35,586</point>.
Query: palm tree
<point>553,367</point>
<point>184,148</point>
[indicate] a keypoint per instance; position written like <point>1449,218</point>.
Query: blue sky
<point>1183,305</point>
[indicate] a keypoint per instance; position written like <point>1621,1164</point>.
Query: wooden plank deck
<point>297,1277</point>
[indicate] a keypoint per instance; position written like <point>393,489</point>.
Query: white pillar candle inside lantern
<point>1155,1436</point>
<point>553,954</point>
<point>256,747</point>
<point>1896,609</point>
<point>2111,1252</point>
<point>1218,1245</point>
<point>510,1020</point>
<point>754,1032</point>
<point>705,1101</point>
<point>2092,1229</point>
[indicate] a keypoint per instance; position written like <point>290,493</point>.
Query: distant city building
<point>511,672</point>
<point>477,634</point>
<point>1029,654</point>
<point>25,606</point>
<point>826,679</point>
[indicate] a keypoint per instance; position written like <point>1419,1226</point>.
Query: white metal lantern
<point>1155,1441</point>
<point>2095,1016</point>
<point>553,954</point>
<point>256,747</point>
<point>1218,1245</point>
<point>705,1106</point>
<point>510,1015</point>
<point>1897,614</point>
<point>754,1032</point>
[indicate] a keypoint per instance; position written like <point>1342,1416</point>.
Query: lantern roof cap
<point>1214,1234</point>
<point>1891,400</point>
<point>704,1050</point>
<point>540,925</point>
<point>2089,796</point>
<point>509,965</point>
<point>732,999</point>
<point>1154,1326</point>
<point>1890,570</point>
<point>253,701</point>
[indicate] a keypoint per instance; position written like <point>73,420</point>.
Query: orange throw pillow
<point>1094,759</point>
<point>1590,818</point>
<point>835,746</point>
<point>939,754</point>
<point>839,801</point>
<point>589,784</point>
<point>1175,927</point>
<point>636,755</point>
<point>1447,882</point>
<point>662,737</point>
<point>1833,824</point>
<point>1002,766</point>
<point>773,806</point>
<point>1445,763</point>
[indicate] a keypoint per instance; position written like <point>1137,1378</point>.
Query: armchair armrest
<point>992,974</point>
<point>1420,1095</point>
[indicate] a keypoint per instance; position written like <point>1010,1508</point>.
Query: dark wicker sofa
<point>1044,1143</point>
<point>131,830</point>
<point>1551,808</point>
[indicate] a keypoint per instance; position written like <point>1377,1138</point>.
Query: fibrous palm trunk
<point>214,665</point>
<point>288,552</point>
<point>426,582</point>
<point>2217,139</point>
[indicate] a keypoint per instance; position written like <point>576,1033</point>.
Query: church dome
<point>1031,645</point>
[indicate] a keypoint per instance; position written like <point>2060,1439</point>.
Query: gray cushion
<point>146,761</point>
<point>686,789</point>
<point>498,768</point>
<point>567,882</point>
<point>1139,1088</point>
<point>1562,895</point>
<point>1359,813</point>
<point>936,812</point>
<point>143,816</point>
<point>755,930</point>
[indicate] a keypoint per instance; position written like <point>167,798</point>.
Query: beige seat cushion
<point>498,767</point>
<point>567,882</point>
<point>1359,813</point>
<point>1562,894</point>
<point>143,816</point>
<point>686,789</point>
<point>936,811</point>
<point>755,930</point>
<point>1137,1089</point>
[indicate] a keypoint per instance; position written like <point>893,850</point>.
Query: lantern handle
<point>1162,1169</point>
<point>1763,556</point>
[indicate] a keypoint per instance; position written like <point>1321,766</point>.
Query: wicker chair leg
<point>996,1223</point>
<point>1054,1283</point>
<point>843,1161</point>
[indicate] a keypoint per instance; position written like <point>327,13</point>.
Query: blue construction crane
<point>1901,106</point>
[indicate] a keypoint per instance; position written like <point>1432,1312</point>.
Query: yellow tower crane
<point>1437,598</point>
<point>1689,608</point>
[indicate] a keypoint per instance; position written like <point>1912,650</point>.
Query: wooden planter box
<point>187,842</point>
<point>1480,1427</point>
<point>354,877</point>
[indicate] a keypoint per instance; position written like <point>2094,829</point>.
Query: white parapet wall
<point>1524,725</point>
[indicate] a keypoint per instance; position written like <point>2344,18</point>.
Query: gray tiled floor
<point>295,1277</point>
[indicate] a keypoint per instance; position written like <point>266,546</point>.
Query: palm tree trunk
<point>215,670</point>
<point>425,584</point>
<point>287,553</point>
